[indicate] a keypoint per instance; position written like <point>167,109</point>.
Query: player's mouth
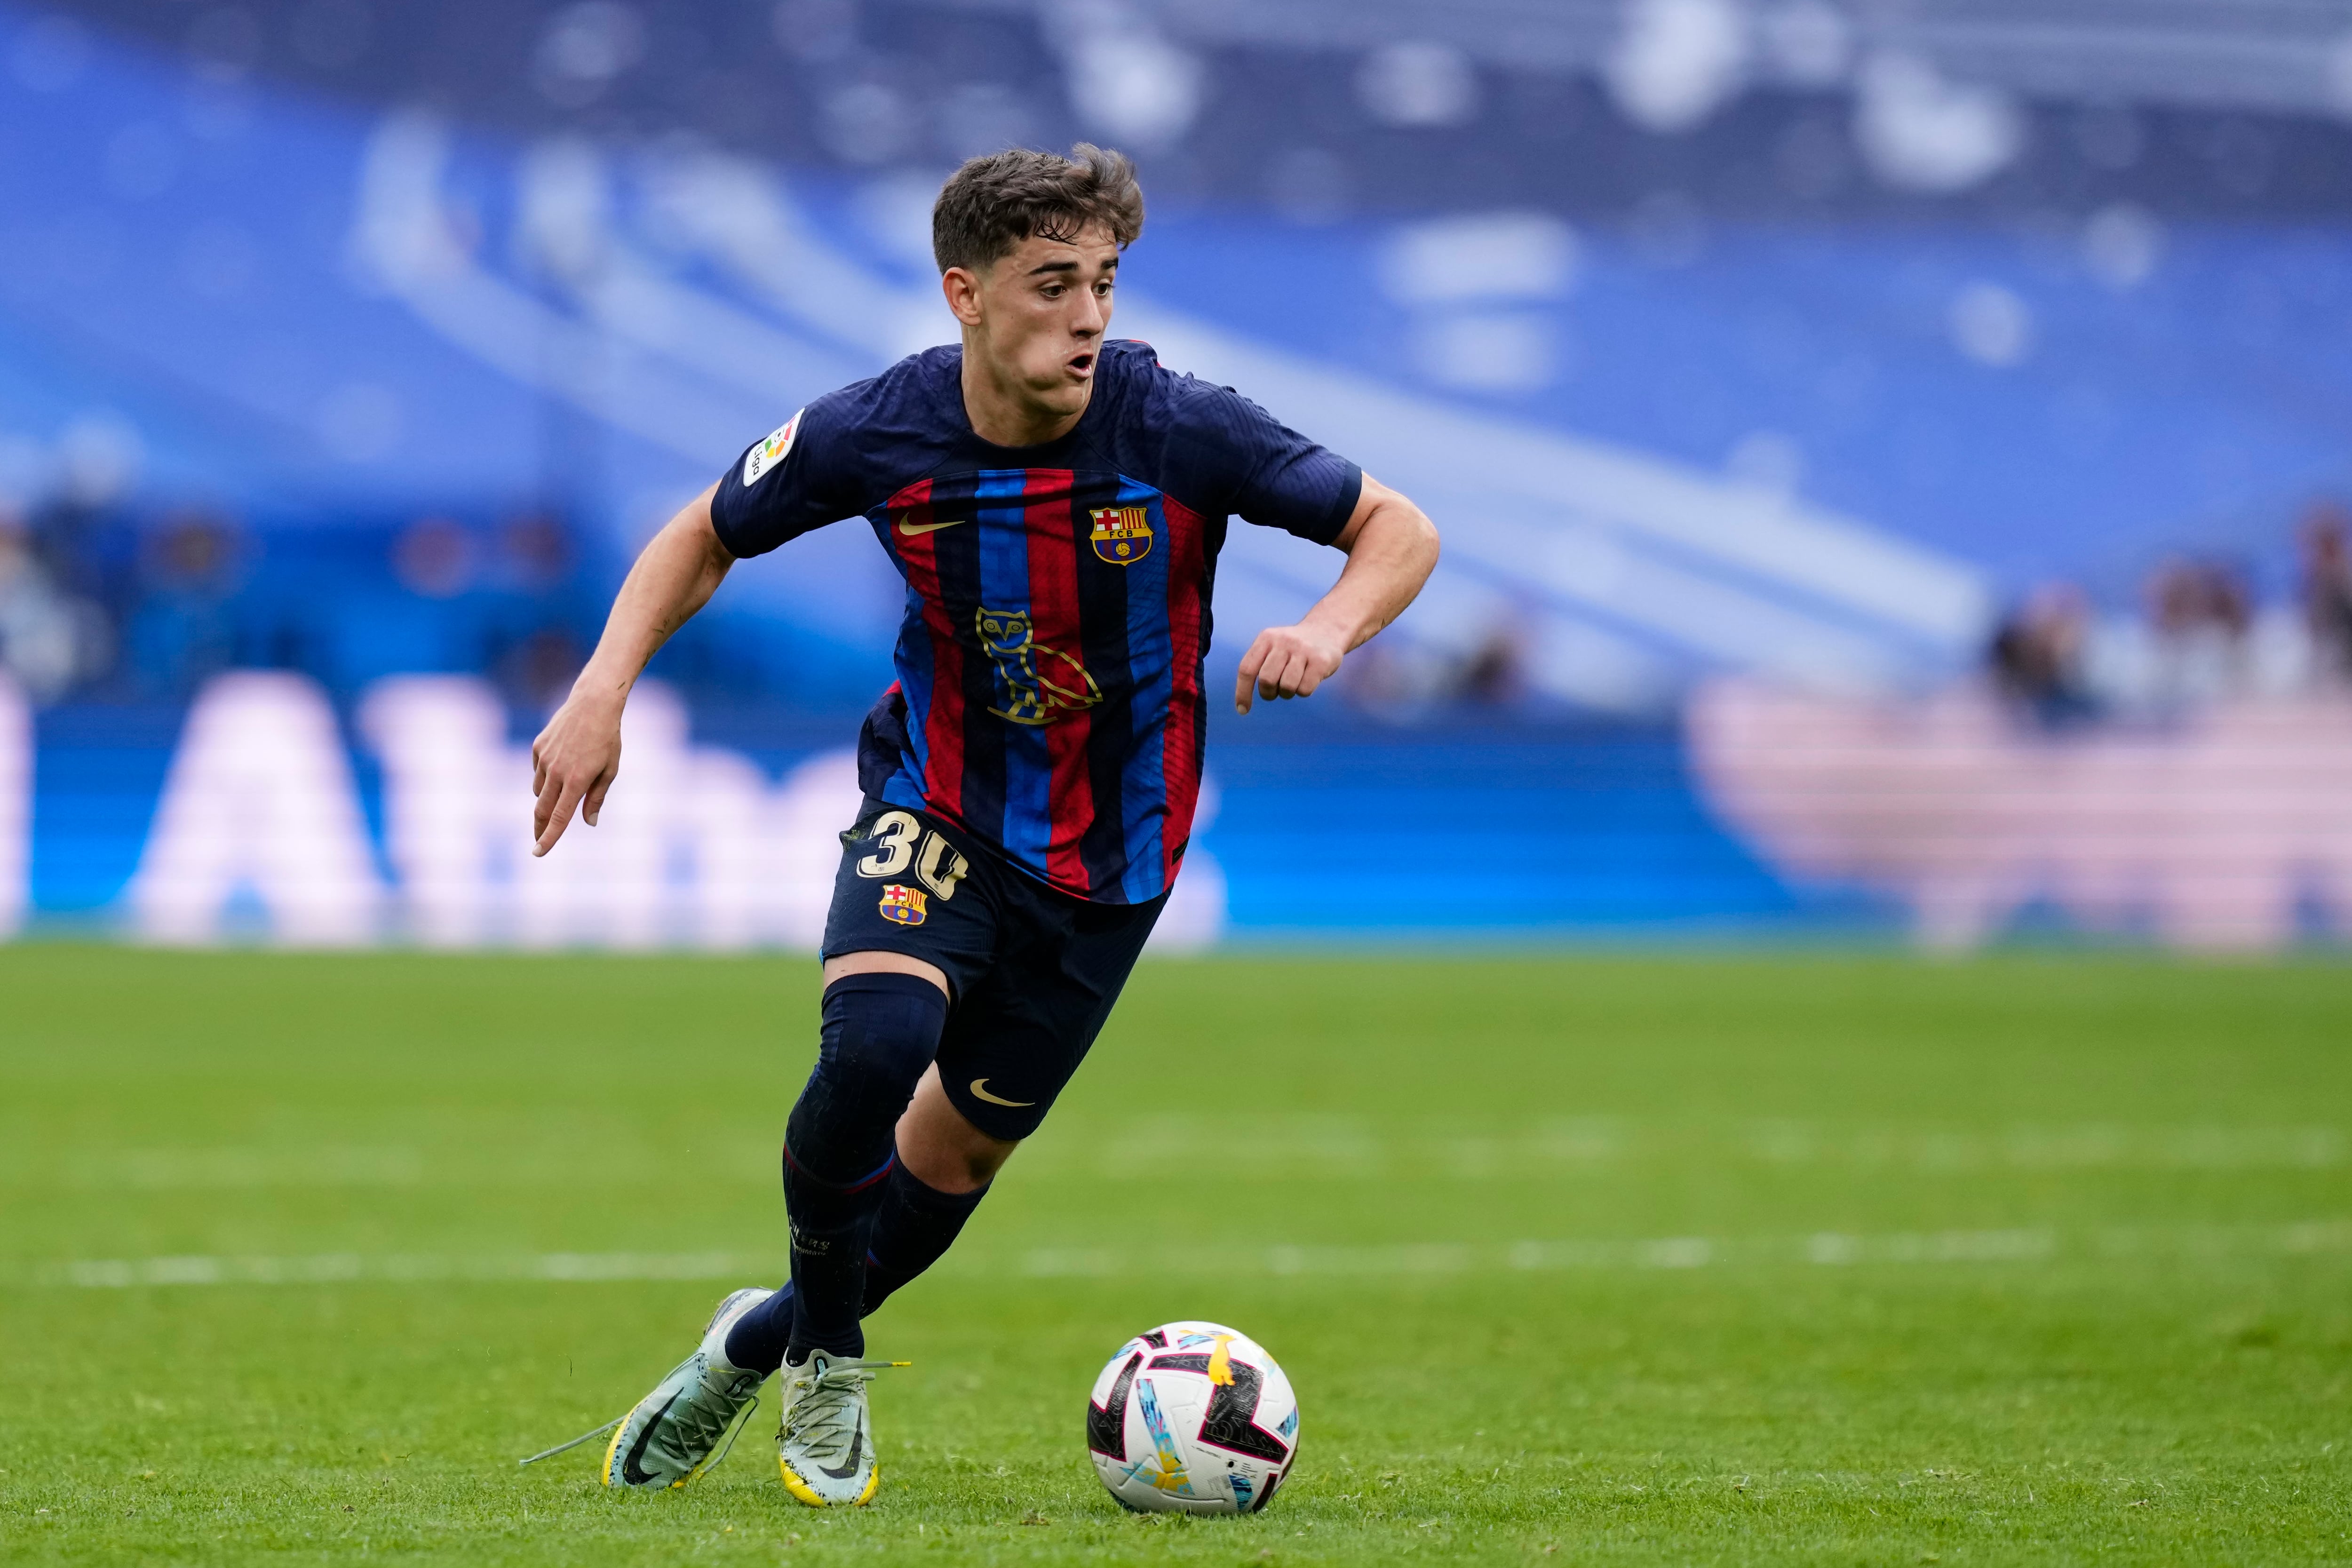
<point>1081,365</point>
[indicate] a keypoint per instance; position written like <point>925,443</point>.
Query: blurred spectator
<point>536,650</point>
<point>2327,593</point>
<point>2037,656</point>
<point>1493,674</point>
<point>48,640</point>
<point>1409,682</point>
<point>2200,613</point>
<point>1393,680</point>
<point>183,626</point>
<point>433,557</point>
<point>537,672</point>
<point>535,553</point>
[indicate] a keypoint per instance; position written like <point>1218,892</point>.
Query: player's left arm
<point>1392,549</point>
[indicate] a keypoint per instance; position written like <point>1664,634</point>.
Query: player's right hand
<point>1286,662</point>
<point>573,762</point>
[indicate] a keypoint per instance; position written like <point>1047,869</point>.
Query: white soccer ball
<point>1192,1419</point>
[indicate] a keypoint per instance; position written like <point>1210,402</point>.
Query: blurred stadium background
<point>1890,454</point>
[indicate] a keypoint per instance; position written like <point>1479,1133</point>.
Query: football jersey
<point>1050,657</point>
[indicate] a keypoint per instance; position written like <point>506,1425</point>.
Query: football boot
<point>824,1440</point>
<point>670,1438</point>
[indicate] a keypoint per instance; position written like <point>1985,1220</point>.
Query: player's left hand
<point>1287,661</point>
<point>575,762</point>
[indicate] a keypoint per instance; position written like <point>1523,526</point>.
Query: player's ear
<point>962,286</point>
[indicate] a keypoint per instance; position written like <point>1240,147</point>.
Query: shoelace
<point>825,1418</point>
<point>694,1415</point>
<point>703,1425</point>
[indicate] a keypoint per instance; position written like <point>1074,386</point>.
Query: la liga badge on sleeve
<point>1123,534</point>
<point>902,904</point>
<point>763,458</point>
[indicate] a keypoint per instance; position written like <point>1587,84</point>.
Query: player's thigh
<point>1017,1037</point>
<point>883,962</point>
<point>911,896</point>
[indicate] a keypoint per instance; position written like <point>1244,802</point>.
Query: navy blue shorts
<point>1033,973</point>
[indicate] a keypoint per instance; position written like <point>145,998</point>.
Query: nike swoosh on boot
<point>849,1466</point>
<point>633,1472</point>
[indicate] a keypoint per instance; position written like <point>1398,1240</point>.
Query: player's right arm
<point>577,756</point>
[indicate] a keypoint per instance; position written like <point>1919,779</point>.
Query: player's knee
<point>953,1166</point>
<point>942,1150</point>
<point>981,1165</point>
<point>881,1031</point>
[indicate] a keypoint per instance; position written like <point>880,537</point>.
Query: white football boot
<point>824,1444</point>
<point>668,1440</point>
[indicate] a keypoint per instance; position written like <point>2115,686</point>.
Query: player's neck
<point>1004,413</point>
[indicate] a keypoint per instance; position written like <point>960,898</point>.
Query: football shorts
<point>1033,973</point>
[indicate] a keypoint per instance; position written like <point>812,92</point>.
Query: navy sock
<point>916,1223</point>
<point>881,1032</point>
<point>757,1342</point>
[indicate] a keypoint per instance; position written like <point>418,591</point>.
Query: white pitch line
<point>398,1269</point>
<point>1820,1248</point>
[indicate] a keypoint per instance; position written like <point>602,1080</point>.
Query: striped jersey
<point>1049,694</point>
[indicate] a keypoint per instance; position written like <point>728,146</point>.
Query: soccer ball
<point>1192,1419</point>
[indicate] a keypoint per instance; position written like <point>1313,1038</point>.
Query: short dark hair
<point>992,204</point>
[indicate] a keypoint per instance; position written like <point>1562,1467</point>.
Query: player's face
<point>1041,314</point>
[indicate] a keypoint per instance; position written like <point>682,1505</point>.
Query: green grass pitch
<point>1595,1258</point>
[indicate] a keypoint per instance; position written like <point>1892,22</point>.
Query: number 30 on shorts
<point>896,836</point>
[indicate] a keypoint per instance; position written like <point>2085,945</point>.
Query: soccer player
<point>1054,500</point>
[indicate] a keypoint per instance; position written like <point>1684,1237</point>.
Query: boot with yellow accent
<point>824,1445</point>
<point>670,1436</point>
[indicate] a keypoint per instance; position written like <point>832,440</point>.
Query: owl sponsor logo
<point>904,905</point>
<point>1123,534</point>
<point>1035,684</point>
<point>765,458</point>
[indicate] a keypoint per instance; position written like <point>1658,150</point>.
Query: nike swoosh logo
<point>633,1472</point>
<point>857,1446</point>
<point>979,1090</point>
<point>916,529</point>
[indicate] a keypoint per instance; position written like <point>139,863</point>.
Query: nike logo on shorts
<point>916,529</point>
<point>980,1092</point>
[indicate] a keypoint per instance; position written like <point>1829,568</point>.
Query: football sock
<point>757,1342</point>
<point>916,1226</point>
<point>916,1223</point>
<point>881,1032</point>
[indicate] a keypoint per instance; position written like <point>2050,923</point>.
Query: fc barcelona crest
<point>1122,533</point>
<point>904,905</point>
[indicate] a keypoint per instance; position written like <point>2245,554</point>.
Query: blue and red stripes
<point>1069,733</point>
<point>1022,822</point>
<point>931,667</point>
<point>1058,621</point>
<point>1143,782</point>
<point>1184,730</point>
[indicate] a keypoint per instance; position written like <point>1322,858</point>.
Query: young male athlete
<point>1055,501</point>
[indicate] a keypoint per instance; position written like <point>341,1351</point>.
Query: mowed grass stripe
<point>1820,1248</point>
<point>1295,1147</point>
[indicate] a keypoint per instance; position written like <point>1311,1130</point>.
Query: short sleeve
<point>1264,471</point>
<point>781,487</point>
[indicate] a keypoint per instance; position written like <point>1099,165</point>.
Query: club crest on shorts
<point>1123,534</point>
<point>903,904</point>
